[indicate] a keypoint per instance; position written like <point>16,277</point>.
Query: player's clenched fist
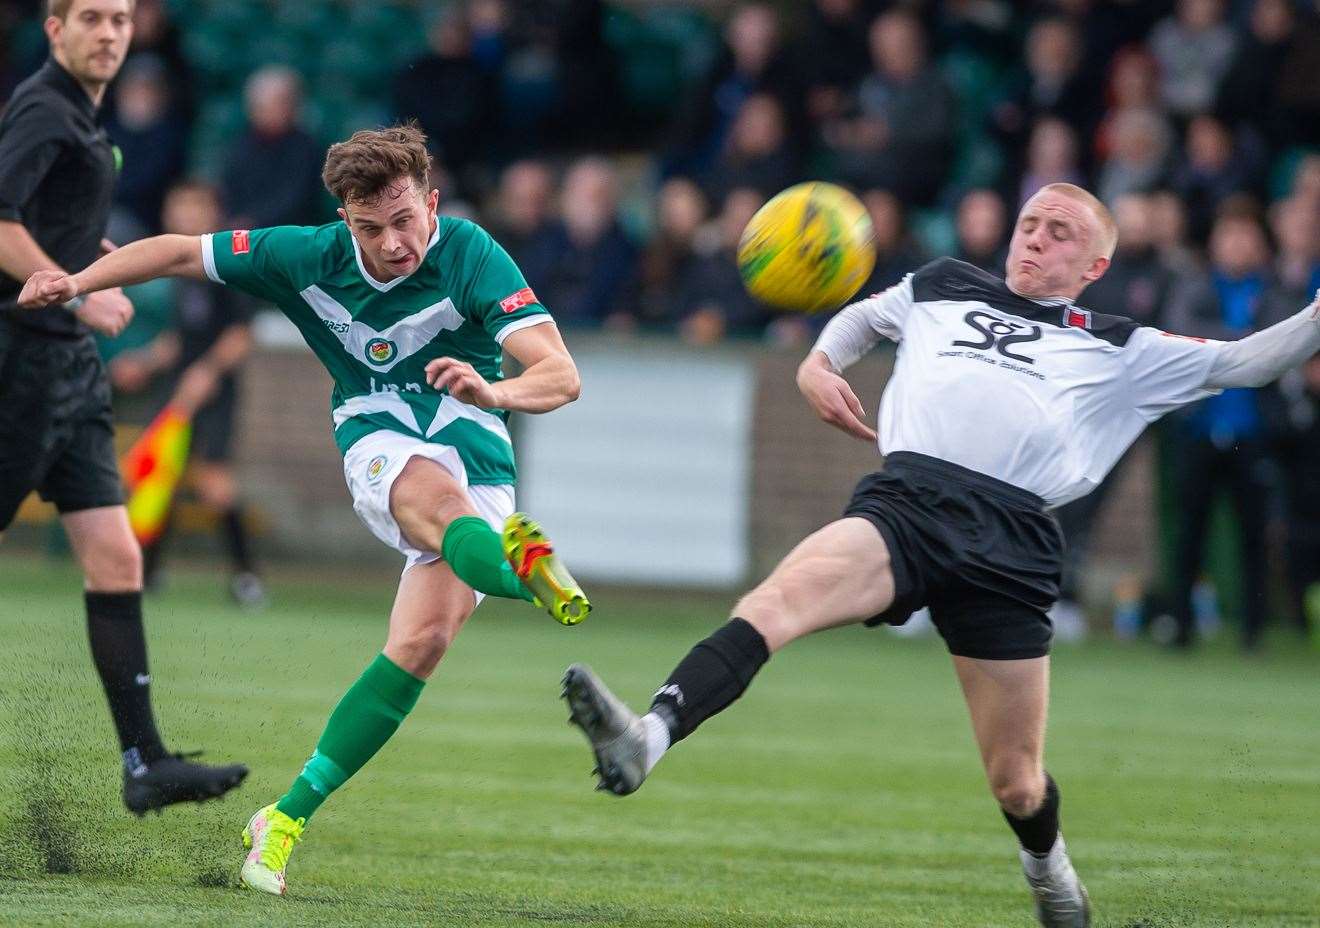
<point>106,311</point>
<point>462,381</point>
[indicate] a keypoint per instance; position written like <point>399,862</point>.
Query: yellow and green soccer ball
<point>808,249</point>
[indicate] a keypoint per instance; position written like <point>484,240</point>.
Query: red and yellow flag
<point>151,470</point>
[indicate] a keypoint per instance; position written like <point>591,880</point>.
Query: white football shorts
<point>375,462</point>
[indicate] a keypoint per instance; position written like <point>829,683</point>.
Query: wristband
<point>74,304</point>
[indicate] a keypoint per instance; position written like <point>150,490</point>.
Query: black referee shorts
<point>56,435</point>
<point>983,555</point>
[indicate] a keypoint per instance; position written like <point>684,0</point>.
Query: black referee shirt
<point>57,176</point>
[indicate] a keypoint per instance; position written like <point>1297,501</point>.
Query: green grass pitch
<point>843,791</point>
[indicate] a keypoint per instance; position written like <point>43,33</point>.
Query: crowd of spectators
<point>944,117</point>
<point>1196,121</point>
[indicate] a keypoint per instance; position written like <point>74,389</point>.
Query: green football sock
<point>473,551</point>
<point>366,717</point>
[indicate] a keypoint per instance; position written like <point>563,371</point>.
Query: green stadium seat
<point>659,53</point>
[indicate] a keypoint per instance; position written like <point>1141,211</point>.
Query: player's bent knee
<point>419,650</point>
<point>1020,795</point>
<point>768,609</point>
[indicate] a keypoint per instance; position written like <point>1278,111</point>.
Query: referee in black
<point>57,175</point>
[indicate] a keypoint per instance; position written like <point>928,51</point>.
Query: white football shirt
<point>1043,395</point>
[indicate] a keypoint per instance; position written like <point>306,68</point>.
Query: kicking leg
<point>838,576</point>
<point>431,606</point>
<point>435,513</point>
<point>112,569</point>
<point>1008,702</point>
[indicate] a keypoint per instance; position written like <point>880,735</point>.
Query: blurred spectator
<point>1215,166</point>
<point>488,23</point>
<point>151,137</point>
<point>449,93</point>
<point>1050,83</point>
<point>1137,285</point>
<point>1107,26</point>
<point>1296,226</point>
<point>1224,441</point>
<point>1138,162</point>
<point>272,175</point>
<point>524,203</point>
<point>756,152</point>
<point>900,135</point>
<point>1297,270</point>
<point>583,263</point>
<point>832,55</point>
<point>1051,157</point>
<point>1138,282</point>
<point>1306,180</point>
<point>156,35</point>
<point>978,28</point>
<point>1298,100</point>
<point>751,62</point>
<point>716,305</point>
<point>1301,459</point>
<point>202,357</point>
<point>1168,232</point>
<point>981,229</point>
<point>1134,85</point>
<point>669,260</point>
<point>1195,48</point>
<point>589,91</point>
<point>896,252</point>
<point>1254,74</point>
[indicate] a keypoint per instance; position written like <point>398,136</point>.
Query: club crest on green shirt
<point>380,350</point>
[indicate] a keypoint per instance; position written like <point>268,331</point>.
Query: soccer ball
<point>808,249</point>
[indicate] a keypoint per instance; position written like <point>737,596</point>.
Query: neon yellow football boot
<point>270,836</point>
<point>532,557</point>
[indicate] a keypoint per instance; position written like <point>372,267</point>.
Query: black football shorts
<point>983,555</point>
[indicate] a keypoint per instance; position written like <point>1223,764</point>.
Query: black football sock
<point>236,539</point>
<point>119,651</point>
<point>710,678</point>
<point>1038,832</point>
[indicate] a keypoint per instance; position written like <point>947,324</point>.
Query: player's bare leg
<point>111,562</point>
<point>1008,701</point>
<point>839,575</point>
<point>435,514</point>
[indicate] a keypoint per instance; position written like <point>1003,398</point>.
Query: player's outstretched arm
<point>159,256</point>
<point>549,378</point>
<point>1266,355</point>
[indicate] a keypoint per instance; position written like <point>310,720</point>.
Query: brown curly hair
<point>372,161</point>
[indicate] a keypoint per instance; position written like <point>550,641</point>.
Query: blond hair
<point>1108,229</point>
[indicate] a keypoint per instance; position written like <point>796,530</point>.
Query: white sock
<point>1039,867</point>
<point>657,739</point>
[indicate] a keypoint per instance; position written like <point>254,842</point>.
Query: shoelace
<point>277,844</point>
<point>530,556</point>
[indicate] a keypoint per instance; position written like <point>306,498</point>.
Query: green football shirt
<point>376,338</point>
